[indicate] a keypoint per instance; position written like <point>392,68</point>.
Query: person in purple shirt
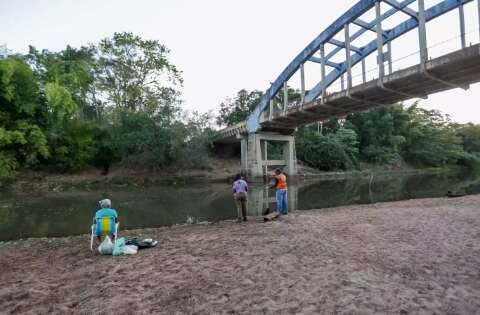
<point>240,188</point>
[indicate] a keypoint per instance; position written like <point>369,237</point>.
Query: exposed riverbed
<point>408,257</point>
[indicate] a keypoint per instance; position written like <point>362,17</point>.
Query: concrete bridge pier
<point>254,159</point>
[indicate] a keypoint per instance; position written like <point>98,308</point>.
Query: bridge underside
<point>457,69</point>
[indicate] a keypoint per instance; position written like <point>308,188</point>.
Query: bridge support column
<point>255,161</point>
<point>243,154</point>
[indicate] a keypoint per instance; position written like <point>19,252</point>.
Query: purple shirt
<point>240,186</point>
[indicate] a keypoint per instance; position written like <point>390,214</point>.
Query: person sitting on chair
<point>106,220</point>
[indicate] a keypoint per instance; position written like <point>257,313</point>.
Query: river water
<point>70,212</point>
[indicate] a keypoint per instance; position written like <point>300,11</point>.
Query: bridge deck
<point>459,68</point>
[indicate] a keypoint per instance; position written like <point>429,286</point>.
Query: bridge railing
<point>407,60</point>
<point>233,131</point>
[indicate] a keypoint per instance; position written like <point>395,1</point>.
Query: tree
<point>60,101</point>
<point>470,134</point>
<point>22,142</point>
<point>70,70</point>
<point>431,139</point>
<point>199,142</point>
<point>381,132</point>
<point>236,110</point>
<point>157,141</point>
<point>329,152</point>
<point>135,74</point>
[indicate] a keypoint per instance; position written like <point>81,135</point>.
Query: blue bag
<point>117,248</point>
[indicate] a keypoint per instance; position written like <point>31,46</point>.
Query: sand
<point>408,257</point>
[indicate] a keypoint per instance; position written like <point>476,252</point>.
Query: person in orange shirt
<point>281,194</point>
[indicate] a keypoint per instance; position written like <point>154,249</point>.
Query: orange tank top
<point>281,181</point>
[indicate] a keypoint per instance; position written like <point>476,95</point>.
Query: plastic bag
<point>145,243</point>
<point>117,248</point>
<point>129,250</point>
<point>106,247</point>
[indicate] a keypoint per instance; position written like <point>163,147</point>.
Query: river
<point>70,212</point>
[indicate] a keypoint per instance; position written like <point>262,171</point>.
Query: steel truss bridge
<point>338,49</point>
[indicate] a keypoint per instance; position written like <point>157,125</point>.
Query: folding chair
<point>103,226</point>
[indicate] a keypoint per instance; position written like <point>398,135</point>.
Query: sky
<point>222,46</point>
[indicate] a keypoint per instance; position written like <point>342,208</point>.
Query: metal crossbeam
<point>366,26</point>
<point>328,63</point>
<point>371,25</point>
<point>342,45</point>
<point>401,7</point>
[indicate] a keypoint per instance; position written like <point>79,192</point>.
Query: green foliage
<point>35,144</point>
<point>199,143</point>
<point>434,147</point>
<point>18,89</point>
<point>8,165</point>
<point>237,110</point>
<point>73,147</point>
<point>140,133</point>
<point>94,106</point>
<point>72,70</point>
<point>21,139</point>
<point>60,101</point>
<point>105,153</point>
<point>431,140</point>
<point>381,132</point>
<point>334,151</point>
<point>135,73</point>
<point>388,135</point>
<point>470,135</point>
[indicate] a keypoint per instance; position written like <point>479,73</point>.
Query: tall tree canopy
<point>93,105</point>
<point>22,141</point>
<point>236,110</point>
<point>135,74</point>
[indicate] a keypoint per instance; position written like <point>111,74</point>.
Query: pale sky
<point>223,46</point>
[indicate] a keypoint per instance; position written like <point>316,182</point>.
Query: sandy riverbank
<point>408,257</point>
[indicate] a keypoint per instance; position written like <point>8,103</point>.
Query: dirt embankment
<point>408,257</point>
<point>218,170</point>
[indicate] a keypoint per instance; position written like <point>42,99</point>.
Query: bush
<point>139,133</point>
<point>335,151</point>
<point>8,165</point>
<point>72,146</point>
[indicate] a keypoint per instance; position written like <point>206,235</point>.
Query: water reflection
<point>70,213</point>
